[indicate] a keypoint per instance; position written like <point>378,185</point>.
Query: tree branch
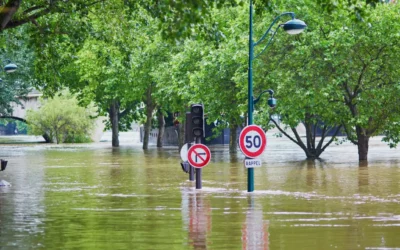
<point>8,11</point>
<point>283,132</point>
<point>332,139</point>
<point>34,8</point>
<point>349,135</point>
<point>13,24</point>
<point>127,110</point>
<point>322,138</point>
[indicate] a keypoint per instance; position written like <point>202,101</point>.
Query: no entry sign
<point>199,155</point>
<point>252,141</point>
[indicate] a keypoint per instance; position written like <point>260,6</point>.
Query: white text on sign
<point>252,163</point>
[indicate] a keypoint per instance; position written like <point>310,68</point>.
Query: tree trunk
<point>113,113</point>
<point>11,7</point>
<point>362,143</point>
<point>314,148</point>
<point>161,128</point>
<point>147,127</point>
<point>233,139</point>
<point>47,138</point>
<point>150,106</point>
<point>311,152</point>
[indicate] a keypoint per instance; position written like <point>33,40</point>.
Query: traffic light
<point>197,113</point>
<point>3,164</point>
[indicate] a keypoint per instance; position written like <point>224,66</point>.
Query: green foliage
<point>77,138</point>
<point>16,12</point>
<point>355,9</point>
<point>114,52</point>
<point>178,19</point>
<point>103,61</point>
<point>339,71</point>
<point>61,119</point>
<point>392,134</point>
<point>213,74</point>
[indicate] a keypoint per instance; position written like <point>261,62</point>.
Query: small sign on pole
<point>252,163</point>
<point>184,152</point>
<point>199,155</point>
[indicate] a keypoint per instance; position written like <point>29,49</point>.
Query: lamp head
<point>272,102</point>
<point>294,26</point>
<point>11,67</point>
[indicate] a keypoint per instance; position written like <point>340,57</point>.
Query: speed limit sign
<point>252,141</point>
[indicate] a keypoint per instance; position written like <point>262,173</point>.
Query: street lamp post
<point>10,67</point>
<point>292,27</point>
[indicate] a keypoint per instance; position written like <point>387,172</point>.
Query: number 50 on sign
<point>252,141</point>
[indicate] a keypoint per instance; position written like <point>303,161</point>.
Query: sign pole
<point>191,168</point>
<point>250,171</point>
<point>199,155</point>
<point>189,140</point>
<point>198,170</point>
<point>252,142</point>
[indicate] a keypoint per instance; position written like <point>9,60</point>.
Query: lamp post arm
<point>272,24</point>
<point>270,91</point>
<point>269,42</point>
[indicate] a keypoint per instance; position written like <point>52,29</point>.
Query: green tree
<point>369,83</point>
<point>178,17</point>
<point>342,73</point>
<point>219,82</point>
<point>60,119</point>
<point>95,66</point>
<point>174,78</point>
<point>148,52</point>
<point>109,65</point>
<point>210,72</point>
<point>288,66</point>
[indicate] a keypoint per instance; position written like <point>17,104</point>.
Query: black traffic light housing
<point>185,166</point>
<point>197,120</point>
<point>3,164</point>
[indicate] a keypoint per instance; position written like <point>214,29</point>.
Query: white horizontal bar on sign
<point>252,163</point>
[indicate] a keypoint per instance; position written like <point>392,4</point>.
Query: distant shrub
<point>78,139</point>
<point>60,119</point>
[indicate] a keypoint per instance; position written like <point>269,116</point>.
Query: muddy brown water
<point>93,196</point>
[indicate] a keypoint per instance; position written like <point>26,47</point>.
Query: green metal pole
<point>252,44</point>
<point>250,171</point>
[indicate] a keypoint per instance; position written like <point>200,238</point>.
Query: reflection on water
<point>196,213</point>
<point>363,178</point>
<point>93,196</point>
<point>255,229</point>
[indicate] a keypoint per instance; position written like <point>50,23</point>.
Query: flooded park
<point>93,196</point>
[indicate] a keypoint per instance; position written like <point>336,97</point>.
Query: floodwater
<point>93,196</point>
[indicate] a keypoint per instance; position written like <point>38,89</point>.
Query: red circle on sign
<point>252,141</point>
<point>199,155</point>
